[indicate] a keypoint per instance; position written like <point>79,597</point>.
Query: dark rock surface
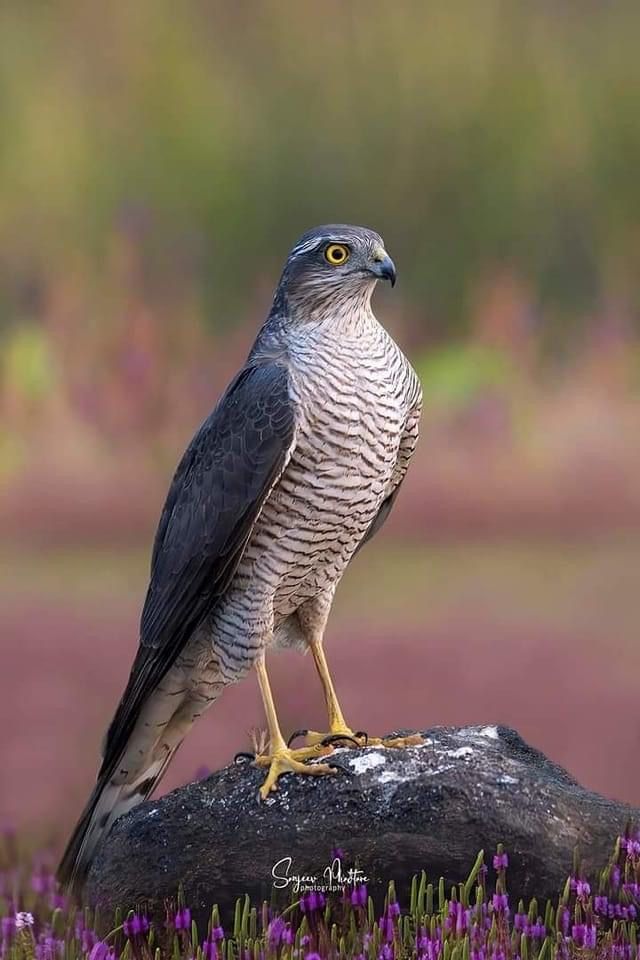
<point>395,812</point>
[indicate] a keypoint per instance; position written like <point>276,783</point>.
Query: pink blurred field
<point>541,636</point>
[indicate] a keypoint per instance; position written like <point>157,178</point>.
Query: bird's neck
<point>344,313</point>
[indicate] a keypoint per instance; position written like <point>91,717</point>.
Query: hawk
<point>295,469</point>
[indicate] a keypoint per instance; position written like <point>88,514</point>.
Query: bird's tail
<point>108,801</point>
<point>135,756</point>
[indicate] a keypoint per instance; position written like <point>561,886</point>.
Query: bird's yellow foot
<point>284,760</point>
<point>413,740</point>
<point>345,737</point>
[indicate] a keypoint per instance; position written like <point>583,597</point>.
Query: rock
<point>393,812</point>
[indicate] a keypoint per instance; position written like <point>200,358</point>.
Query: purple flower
<point>565,919</point>
<point>621,951</point>
<point>182,919</point>
<point>615,876</point>
<point>386,928</point>
<point>313,900</point>
<point>7,925</point>
<point>209,950</point>
<point>600,904</point>
<point>578,933</point>
<point>337,853</point>
<point>432,951</point>
<point>40,882</point>
<point>135,926</point>
<point>386,953</point>
<point>501,861</point>
<point>393,910</point>
<point>500,902</point>
<point>99,951</point>
<point>458,918</point>
<point>359,895</point>
<point>48,947</point>
<point>209,947</point>
<point>88,940</point>
<point>58,901</point>
<point>584,935</point>
<point>462,920</point>
<point>631,846</point>
<point>590,937</point>
<point>313,956</point>
<point>275,931</point>
<point>521,922</point>
<point>538,930</point>
<point>582,889</point>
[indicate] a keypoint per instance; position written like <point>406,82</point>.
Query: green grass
<point>467,921</point>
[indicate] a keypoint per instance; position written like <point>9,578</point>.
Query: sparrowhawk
<point>298,465</point>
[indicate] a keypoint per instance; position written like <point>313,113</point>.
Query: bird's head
<point>335,263</point>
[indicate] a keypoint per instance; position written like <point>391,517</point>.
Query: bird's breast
<point>352,406</point>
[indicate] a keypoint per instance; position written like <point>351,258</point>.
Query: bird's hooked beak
<point>382,266</point>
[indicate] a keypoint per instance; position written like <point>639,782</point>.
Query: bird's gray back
<point>353,389</point>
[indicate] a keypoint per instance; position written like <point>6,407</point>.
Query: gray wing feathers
<point>380,517</point>
<point>218,490</point>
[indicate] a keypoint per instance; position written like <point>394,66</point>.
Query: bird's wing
<point>380,517</point>
<point>218,490</point>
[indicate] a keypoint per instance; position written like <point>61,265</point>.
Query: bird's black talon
<point>295,735</point>
<point>339,766</point>
<point>337,738</point>
<point>243,757</point>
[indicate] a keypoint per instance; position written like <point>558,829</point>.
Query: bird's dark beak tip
<point>386,270</point>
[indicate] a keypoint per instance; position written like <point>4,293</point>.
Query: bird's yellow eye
<point>336,253</point>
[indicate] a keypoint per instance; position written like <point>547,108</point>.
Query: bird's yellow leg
<point>280,758</point>
<point>337,725</point>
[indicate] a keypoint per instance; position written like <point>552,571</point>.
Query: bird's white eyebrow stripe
<point>306,246</point>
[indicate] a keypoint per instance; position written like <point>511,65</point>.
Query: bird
<point>297,467</point>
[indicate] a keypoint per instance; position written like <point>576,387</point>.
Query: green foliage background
<point>475,135</point>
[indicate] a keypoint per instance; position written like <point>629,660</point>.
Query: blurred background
<point>157,161</point>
